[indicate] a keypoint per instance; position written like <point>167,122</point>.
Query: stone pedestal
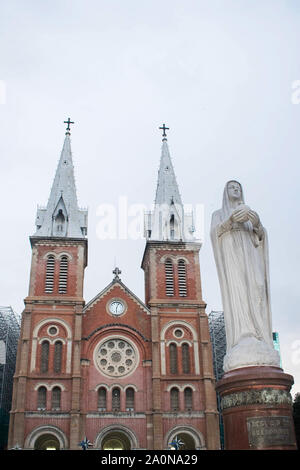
<point>257,409</point>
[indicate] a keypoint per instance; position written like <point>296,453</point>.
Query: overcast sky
<point>223,75</point>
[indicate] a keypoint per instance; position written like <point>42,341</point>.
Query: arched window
<point>129,399</point>
<point>57,356</point>
<point>116,399</point>
<point>60,223</point>
<point>172,227</point>
<point>174,399</point>
<point>182,278</point>
<point>102,399</point>
<point>49,283</point>
<point>63,275</point>
<point>169,277</point>
<point>44,356</point>
<point>173,359</point>
<point>56,397</point>
<point>188,399</point>
<point>42,398</point>
<point>186,368</point>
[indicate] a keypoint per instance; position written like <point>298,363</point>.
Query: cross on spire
<point>164,129</point>
<point>68,127</point>
<point>116,272</point>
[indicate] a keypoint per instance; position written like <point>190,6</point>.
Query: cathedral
<point>121,372</point>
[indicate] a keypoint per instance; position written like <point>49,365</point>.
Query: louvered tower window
<point>42,398</point>
<point>174,399</point>
<point>173,358</point>
<point>188,399</point>
<point>116,399</point>
<point>63,275</point>
<point>44,356</point>
<point>169,277</point>
<point>57,356</point>
<point>49,284</point>
<point>182,278</point>
<point>102,399</point>
<point>56,398</point>
<point>130,399</point>
<point>185,358</point>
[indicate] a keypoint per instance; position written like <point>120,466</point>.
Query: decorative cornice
<point>182,414</point>
<point>118,414</point>
<point>49,241</point>
<point>170,246</point>
<point>265,396</point>
<point>46,414</point>
<point>55,300</point>
<point>162,303</point>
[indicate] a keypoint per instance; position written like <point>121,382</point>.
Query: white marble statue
<point>240,248</point>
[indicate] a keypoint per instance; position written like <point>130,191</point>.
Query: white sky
<point>220,74</point>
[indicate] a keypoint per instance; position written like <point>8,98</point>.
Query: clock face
<point>117,307</point>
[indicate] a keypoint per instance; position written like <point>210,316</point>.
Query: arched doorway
<point>46,442</point>
<point>191,438</point>
<point>115,440</point>
<point>188,441</point>
<point>116,437</point>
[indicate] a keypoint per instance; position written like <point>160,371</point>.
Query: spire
<point>62,217</point>
<point>168,221</point>
<point>167,189</point>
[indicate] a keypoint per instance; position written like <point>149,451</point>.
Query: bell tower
<point>47,381</point>
<point>183,379</point>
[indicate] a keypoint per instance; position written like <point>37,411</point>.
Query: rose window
<point>116,357</point>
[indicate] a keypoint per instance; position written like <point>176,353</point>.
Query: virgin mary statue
<point>240,248</point>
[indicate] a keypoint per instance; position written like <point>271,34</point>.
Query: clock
<point>116,307</point>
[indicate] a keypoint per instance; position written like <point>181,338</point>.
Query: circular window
<point>52,330</point>
<point>116,357</point>
<point>178,333</point>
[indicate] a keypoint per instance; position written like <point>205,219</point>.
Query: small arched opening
<point>116,440</point>
<point>47,442</point>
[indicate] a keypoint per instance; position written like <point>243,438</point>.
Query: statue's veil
<point>227,207</point>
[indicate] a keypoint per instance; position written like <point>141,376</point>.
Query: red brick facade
<point>130,380</point>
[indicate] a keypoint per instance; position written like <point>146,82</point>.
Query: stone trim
<point>57,256</point>
<point>48,386</point>
<point>183,414</point>
<point>109,325</point>
<point>108,289</point>
<point>47,414</point>
<point>181,387</point>
<point>46,429</point>
<point>179,342</point>
<point>120,428</point>
<point>174,258</point>
<point>119,415</point>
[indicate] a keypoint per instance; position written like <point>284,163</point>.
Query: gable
<point>109,290</point>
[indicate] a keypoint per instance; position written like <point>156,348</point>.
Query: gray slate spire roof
<point>62,216</point>
<point>168,220</point>
<point>167,188</point>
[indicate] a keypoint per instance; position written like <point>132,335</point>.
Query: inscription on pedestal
<point>270,431</point>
